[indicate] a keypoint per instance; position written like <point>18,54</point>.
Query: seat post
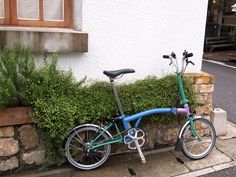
<point>117,98</point>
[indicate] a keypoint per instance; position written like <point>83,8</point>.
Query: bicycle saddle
<point>115,73</point>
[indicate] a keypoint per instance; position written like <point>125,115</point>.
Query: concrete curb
<point>62,172</point>
<point>208,170</point>
<point>219,63</point>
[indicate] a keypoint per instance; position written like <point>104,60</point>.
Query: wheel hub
<point>87,149</point>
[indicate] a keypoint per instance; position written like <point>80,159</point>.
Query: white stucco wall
<point>135,34</point>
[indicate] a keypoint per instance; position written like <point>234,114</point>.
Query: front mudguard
<point>179,143</point>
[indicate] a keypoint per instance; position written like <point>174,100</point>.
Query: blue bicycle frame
<point>138,117</point>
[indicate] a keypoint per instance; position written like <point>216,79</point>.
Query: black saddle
<point>115,73</point>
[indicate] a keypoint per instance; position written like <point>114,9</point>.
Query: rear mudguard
<point>84,125</point>
<point>90,125</point>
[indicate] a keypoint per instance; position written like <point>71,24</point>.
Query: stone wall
<point>203,84</point>
<point>22,147</point>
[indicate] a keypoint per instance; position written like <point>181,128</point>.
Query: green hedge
<point>90,104</point>
<point>59,102</point>
<point>16,68</point>
<point>135,97</point>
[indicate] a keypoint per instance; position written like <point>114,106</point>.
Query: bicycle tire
<point>76,148</point>
<point>206,131</point>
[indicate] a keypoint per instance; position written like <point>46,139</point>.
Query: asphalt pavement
<point>229,172</point>
<point>224,95</point>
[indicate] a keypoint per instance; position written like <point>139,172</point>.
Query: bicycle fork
<point>179,143</point>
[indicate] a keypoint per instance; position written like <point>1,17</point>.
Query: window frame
<point>6,20</point>
<point>12,20</point>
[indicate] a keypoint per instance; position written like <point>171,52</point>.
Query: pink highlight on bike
<point>184,110</point>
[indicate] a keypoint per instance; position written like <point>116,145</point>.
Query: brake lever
<point>184,53</point>
<point>173,55</point>
<point>187,61</point>
<point>191,62</point>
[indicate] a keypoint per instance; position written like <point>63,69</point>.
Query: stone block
<point>6,131</point>
<point>202,98</point>
<point>219,120</point>
<point>8,146</point>
<point>15,116</point>
<point>9,164</point>
<point>204,109</point>
<point>34,157</point>
<point>150,130</point>
<point>200,78</point>
<point>205,79</point>
<point>167,135</point>
<point>209,98</point>
<point>171,135</point>
<point>28,136</point>
<point>206,88</point>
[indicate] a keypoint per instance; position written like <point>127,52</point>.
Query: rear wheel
<point>194,148</point>
<point>78,150</point>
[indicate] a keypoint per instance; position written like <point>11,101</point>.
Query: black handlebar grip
<point>188,55</point>
<point>166,56</point>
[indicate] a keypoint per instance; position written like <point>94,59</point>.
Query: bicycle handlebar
<point>188,55</point>
<point>166,56</point>
<point>185,60</point>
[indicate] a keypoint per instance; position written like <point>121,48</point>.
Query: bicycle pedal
<point>143,160</point>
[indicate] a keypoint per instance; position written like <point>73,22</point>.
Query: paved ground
<point>224,94</point>
<point>160,163</point>
<point>230,172</point>
<point>226,55</point>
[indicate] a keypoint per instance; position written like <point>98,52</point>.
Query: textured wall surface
<point>136,33</point>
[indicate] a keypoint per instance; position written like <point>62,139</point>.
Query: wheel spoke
<point>96,157</point>
<point>76,142</point>
<point>78,152</point>
<point>102,152</point>
<point>76,147</point>
<point>80,140</point>
<point>194,148</point>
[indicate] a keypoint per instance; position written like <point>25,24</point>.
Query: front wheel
<point>194,148</point>
<point>77,148</point>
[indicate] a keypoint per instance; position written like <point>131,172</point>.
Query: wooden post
<point>220,18</point>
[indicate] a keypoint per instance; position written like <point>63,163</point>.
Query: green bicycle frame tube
<point>94,145</point>
<point>184,101</point>
<point>195,134</point>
